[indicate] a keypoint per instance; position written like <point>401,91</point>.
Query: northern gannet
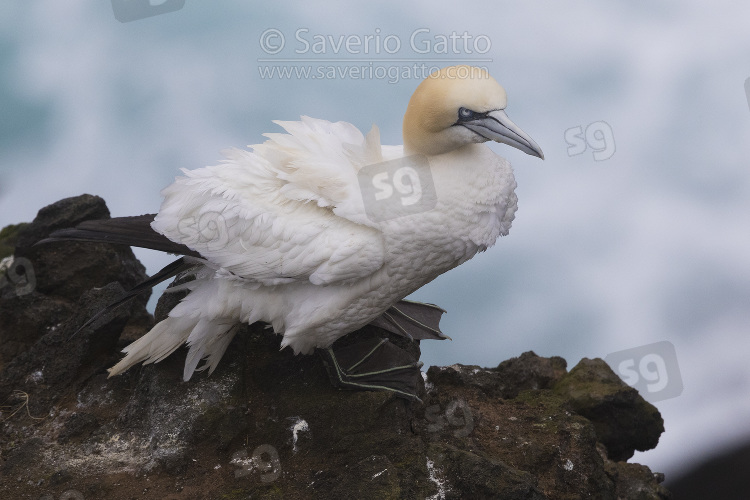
<point>290,241</point>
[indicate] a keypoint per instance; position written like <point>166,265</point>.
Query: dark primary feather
<point>133,231</point>
<point>167,272</point>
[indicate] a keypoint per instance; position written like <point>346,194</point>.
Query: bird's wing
<point>290,210</point>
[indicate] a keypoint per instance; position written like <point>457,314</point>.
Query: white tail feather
<point>214,349</point>
<point>207,340</point>
<point>160,342</point>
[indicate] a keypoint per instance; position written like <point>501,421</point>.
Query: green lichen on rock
<point>9,239</point>
<point>476,475</point>
<point>624,421</point>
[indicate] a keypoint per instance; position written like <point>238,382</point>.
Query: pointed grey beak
<point>496,126</point>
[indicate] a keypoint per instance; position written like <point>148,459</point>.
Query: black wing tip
<point>58,235</point>
<point>132,231</point>
<point>169,271</point>
<point>45,241</point>
<point>79,235</point>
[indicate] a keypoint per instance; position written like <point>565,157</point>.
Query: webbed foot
<point>370,362</point>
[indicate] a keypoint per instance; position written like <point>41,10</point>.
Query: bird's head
<point>460,105</point>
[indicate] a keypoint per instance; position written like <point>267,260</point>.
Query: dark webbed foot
<point>384,355</point>
<point>368,361</point>
<point>414,320</point>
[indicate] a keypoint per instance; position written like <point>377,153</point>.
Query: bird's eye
<point>465,114</point>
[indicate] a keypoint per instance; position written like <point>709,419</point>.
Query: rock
<point>268,424</point>
<point>9,239</point>
<point>624,421</point>
<point>76,425</point>
<point>527,371</point>
<point>473,475</point>
<point>638,482</point>
<point>22,458</point>
<point>65,269</point>
<point>41,291</point>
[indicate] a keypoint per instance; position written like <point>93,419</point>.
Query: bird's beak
<point>496,126</point>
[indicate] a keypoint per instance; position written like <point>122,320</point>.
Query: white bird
<point>288,233</point>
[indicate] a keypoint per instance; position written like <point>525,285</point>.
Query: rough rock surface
<point>268,424</point>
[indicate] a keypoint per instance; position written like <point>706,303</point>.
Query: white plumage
<point>285,237</point>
